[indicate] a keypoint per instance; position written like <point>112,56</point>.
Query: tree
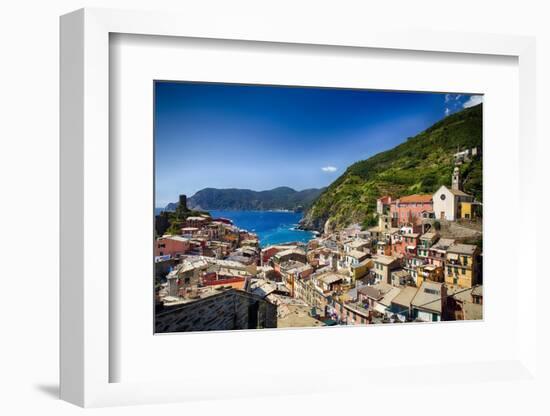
<point>370,221</point>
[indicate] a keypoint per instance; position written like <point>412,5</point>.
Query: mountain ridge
<point>238,199</point>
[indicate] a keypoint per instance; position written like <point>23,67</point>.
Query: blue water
<point>272,227</point>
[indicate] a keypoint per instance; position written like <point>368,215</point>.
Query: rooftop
<point>477,290</point>
<point>262,287</point>
<point>419,198</point>
<point>467,249</point>
<point>295,267</point>
<point>362,263</point>
<point>289,252</point>
<point>400,273</point>
<point>390,296</point>
<point>405,297</point>
<point>296,315</point>
<point>458,192</point>
<point>330,278</point>
<point>358,254</point>
<point>429,296</point>
<point>384,259</point>
<point>357,243</point>
<point>443,244</point>
<point>376,291</point>
<point>227,263</point>
<point>201,293</point>
<point>279,247</point>
<point>428,236</point>
<point>174,238</point>
<point>189,229</point>
<point>188,264</point>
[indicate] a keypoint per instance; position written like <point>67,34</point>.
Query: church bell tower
<point>456,179</point>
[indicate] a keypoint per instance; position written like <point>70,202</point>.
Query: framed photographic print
<point>290,198</point>
<point>285,227</point>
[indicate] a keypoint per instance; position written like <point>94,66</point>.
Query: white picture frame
<point>86,350</point>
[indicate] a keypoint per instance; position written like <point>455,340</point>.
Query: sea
<point>272,227</point>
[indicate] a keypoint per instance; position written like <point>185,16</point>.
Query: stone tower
<point>456,179</point>
<point>183,202</point>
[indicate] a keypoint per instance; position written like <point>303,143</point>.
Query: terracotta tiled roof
<point>416,198</point>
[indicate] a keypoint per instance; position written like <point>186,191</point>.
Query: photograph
<point>305,207</point>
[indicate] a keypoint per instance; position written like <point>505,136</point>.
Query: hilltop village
<point>422,262</point>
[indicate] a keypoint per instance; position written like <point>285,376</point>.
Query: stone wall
<point>230,309</point>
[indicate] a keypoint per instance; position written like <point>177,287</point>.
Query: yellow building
<point>470,210</point>
<point>361,269</point>
<point>462,265</point>
<point>429,272</point>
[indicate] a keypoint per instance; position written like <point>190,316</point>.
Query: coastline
<point>271,226</point>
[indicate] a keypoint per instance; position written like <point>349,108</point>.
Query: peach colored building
<point>406,245</point>
<point>171,246</point>
<point>411,209</point>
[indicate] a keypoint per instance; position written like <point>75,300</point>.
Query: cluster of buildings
<point>215,276</point>
<point>447,204</point>
<point>466,155</point>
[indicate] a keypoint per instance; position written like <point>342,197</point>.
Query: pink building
<point>171,246</point>
<point>407,244</point>
<point>411,209</point>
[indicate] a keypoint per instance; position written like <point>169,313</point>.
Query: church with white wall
<point>446,202</point>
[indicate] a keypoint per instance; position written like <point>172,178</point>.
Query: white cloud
<point>447,111</point>
<point>452,97</point>
<point>329,169</point>
<point>473,100</point>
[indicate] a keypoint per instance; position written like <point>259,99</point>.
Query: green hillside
<point>421,164</point>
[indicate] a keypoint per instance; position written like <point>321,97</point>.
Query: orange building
<point>411,209</point>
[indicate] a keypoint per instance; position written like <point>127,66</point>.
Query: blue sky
<point>261,137</point>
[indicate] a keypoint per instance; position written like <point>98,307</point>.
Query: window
<point>465,260</point>
<point>463,271</point>
<point>443,197</point>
